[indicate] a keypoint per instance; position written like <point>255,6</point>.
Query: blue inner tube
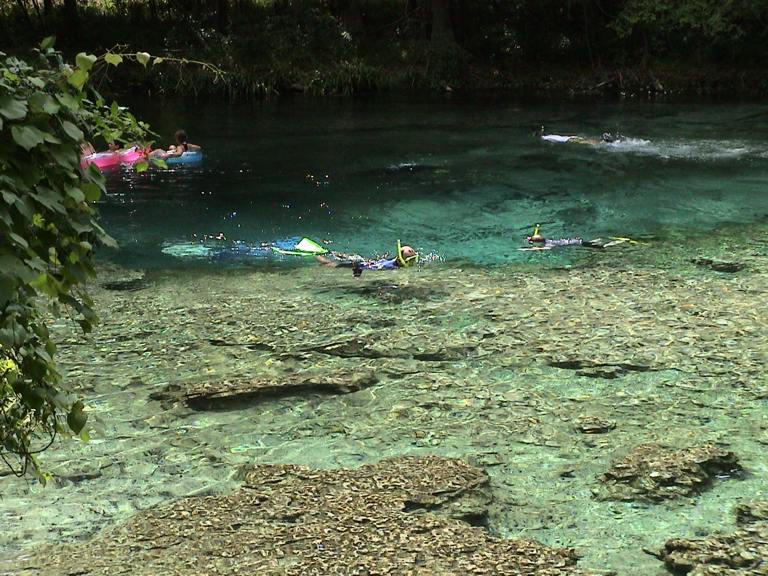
<point>189,157</point>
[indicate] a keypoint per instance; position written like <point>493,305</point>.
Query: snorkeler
<point>539,242</point>
<point>405,258</point>
<point>606,138</point>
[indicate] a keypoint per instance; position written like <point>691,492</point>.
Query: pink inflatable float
<point>132,155</point>
<point>110,160</point>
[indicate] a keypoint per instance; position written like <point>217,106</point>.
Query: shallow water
<point>466,356</point>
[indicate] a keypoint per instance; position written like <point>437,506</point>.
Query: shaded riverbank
<point>545,379</point>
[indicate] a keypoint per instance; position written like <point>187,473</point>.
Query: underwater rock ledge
<point>741,553</point>
<point>239,393</point>
<point>292,520</point>
<point>652,473</point>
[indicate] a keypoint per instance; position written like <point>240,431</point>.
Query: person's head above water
<point>536,236</point>
<point>181,137</point>
<point>406,255</point>
<point>609,138</point>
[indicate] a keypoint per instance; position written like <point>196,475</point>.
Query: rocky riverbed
<point>596,412</point>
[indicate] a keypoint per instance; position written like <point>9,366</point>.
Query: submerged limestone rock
<point>654,473</point>
<point>742,553</point>
<point>228,394</point>
<point>395,517</point>
<point>590,424</point>
<point>718,265</point>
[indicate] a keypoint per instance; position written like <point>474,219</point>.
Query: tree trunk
<point>442,25</point>
<point>222,16</point>
<point>70,17</point>
<point>23,9</point>
<point>352,17</point>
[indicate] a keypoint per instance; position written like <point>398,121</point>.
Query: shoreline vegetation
<point>641,49</point>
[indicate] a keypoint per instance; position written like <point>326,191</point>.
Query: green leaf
<point>18,240</point>
<point>158,60</point>
<point>143,58</point>
<point>69,101</point>
<point>142,166</point>
<point>47,42</point>
<point>12,108</point>
<point>85,61</point>
<point>78,78</point>
<point>40,101</point>
<point>92,191</point>
<point>76,419</point>
<point>76,194</point>
<point>7,289</point>
<point>16,267</point>
<point>114,59</point>
<point>27,136</point>
<point>65,156</point>
<point>72,131</point>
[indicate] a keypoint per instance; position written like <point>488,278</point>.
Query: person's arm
<point>175,152</point>
<point>193,147</point>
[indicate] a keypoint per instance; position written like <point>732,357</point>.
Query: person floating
<point>606,138</point>
<point>175,150</point>
<point>405,258</point>
<point>539,242</point>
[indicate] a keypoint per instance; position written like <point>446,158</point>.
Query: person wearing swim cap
<point>405,258</point>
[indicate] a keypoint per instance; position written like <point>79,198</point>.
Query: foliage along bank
<point>48,233</point>
<point>349,46</point>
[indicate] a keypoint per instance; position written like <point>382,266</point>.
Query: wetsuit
<point>359,264</point>
<point>556,242</point>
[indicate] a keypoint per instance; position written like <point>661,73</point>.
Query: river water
<point>464,180</point>
<point>483,352</point>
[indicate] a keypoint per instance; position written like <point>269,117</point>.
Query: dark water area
<point>461,179</point>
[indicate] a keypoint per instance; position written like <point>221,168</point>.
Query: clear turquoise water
<point>463,179</point>
<point>322,169</point>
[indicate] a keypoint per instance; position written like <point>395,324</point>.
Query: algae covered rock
<point>394,517</point>
<point>654,473</point>
<point>741,553</point>
<point>233,393</point>
<point>587,424</point>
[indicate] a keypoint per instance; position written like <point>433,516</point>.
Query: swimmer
<point>175,150</point>
<point>539,242</point>
<point>406,257</point>
<point>606,138</point>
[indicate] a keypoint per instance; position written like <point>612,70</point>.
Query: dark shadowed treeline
<point>334,46</point>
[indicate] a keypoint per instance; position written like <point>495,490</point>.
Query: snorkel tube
<point>402,260</point>
<point>535,236</point>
